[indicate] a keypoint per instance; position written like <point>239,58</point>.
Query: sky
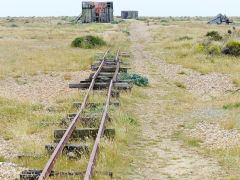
<point>145,7</point>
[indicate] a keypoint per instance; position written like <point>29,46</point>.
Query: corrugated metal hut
<point>97,12</point>
<point>220,19</point>
<point>129,14</point>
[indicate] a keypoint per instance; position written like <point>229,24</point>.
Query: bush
<point>11,20</point>
<point>114,22</point>
<point>164,21</point>
<point>184,38</point>
<point>214,50</point>
<point>203,46</point>
<point>127,32</point>
<point>214,35</point>
<point>121,21</point>
<point>232,48</point>
<point>14,25</point>
<point>88,42</point>
<point>141,19</point>
<point>59,23</point>
<point>135,78</point>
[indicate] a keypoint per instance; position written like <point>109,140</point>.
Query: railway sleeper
<point>34,174</point>
<point>105,74</point>
<point>97,86</point>
<point>125,54</point>
<point>106,82</point>
<point>109,62</point>
<point>77,149</point>
<point>87,116</point>
<point>95,105</point>
<point>91,120</point>
<point>83,134</point>
<point>29,155</point>
<point>111,69</point>
<point>109,59</point>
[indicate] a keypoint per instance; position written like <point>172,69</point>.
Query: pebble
<point>9,171</point>
<point>43,88</point>
<point>215,137</point>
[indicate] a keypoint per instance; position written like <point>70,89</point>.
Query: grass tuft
<point>88,42</point>
<point>180,85</point>
<point>67,76</point>
<point>184,38</point>
<point>2,159</point>
<point>182,73</point>
<point>230,105</point>
<point>214,35</point>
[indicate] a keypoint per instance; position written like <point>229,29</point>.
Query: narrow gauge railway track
<point>106,76</point>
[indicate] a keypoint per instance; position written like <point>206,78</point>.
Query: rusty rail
<point>57,152</point>
<point>95,151</point>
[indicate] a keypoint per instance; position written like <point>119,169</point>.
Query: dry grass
<point>41,45</point>
<point>178,43</point>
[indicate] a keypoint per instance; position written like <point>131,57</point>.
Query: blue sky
<point>145,7</point>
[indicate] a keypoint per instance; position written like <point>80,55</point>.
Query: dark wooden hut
<point>129,14</point>
<point>101,12</point>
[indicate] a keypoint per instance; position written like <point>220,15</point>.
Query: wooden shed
<point>96,12</point>
<point>129,14</point>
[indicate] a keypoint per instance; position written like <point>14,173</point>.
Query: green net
<point>135,78</point>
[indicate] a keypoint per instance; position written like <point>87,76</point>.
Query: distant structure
<point>220,19</point>
<point>129,14</point>
<point>100,12</point>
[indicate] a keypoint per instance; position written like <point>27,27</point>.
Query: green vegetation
<point>214,50</point>
<point>14,25</point>
<point>2,159</point>
<point>11,20</point>
<point>114,22</point>
<point>232,48</point>
<point>127,32</point>
<point>180,85</point>
<point>184,38</point>
<point>141,19</point>
<point>182,73</point>
<point>230,105</point>
<point>135,78</point>
<point>88,42</point>
<point>110,56</point>
<point>236,82</point>
<point>164,21</point>
<point>214,35</point>
<point>189,141</point>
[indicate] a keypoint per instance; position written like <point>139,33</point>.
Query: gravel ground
<point>214,136</point>
<point>213,84</point>
<point>9,171</point>
<point>11,148</point>
<point>43,88</point>
<point>209,114</point>
<point>7,149</point>
<point>205,86</point>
